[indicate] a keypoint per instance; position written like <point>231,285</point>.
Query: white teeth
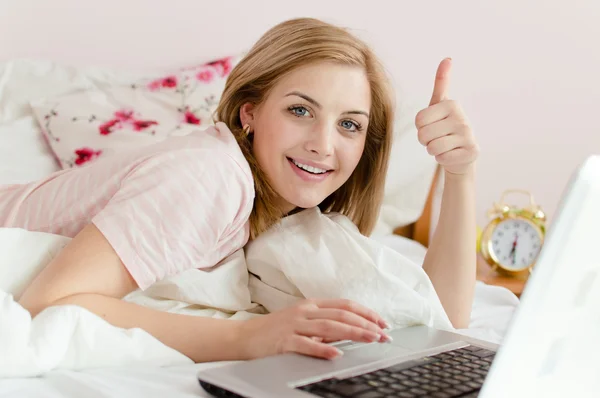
<point>314,170</point>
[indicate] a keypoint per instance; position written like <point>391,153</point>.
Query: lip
<point>305,175</point>
<point>313,164</point>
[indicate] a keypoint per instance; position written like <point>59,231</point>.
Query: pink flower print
<point>84,155</point>
<point>222,66</point>
<point>139,125</point>
<point>124,115</point>
<point>205,75</point>
<point>154,85</point>
<point>191,118</point>
<point>167,82</point>
<point>108,127</point>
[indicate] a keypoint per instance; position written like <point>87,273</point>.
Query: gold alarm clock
<point>511,242</point>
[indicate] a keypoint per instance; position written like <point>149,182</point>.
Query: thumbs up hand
<point>443,127</point>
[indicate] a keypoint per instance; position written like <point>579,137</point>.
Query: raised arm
<point>450,261</point>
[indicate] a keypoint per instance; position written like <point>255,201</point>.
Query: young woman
<point>305,120</point>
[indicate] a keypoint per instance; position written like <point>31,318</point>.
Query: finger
<point>445,144</point>
<point>436,130</point>
<point>442,82</point>
<point>456,156</point>
<point>307,346</point>
<point>333,331</point>
<point>435,113</point>
<point>346,317</point>
<point>354,307</point>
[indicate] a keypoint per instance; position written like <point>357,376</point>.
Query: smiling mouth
<point>309,169</point>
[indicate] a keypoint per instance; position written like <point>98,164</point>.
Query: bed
<point>407,220</point>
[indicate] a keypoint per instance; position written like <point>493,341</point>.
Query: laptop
<point>552,346</point>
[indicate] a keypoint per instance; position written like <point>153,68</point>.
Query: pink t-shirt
<point>179,204</point>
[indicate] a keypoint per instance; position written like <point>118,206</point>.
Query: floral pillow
<point>84,125</point>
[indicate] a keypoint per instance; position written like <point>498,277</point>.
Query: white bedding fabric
<point>26,157</point>
<point>64,339</point>
<point>309,255</point>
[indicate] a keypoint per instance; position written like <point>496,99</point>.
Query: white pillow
<point>410,173</point>
<point>23,80</point>
<point>25,154</point>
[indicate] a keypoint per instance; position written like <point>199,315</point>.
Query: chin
<point>305,202</point>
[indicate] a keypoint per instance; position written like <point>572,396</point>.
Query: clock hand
<point>513,250</point>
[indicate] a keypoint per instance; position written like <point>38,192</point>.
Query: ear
<point>247,113</point>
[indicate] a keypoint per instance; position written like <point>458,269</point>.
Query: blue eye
<point>299,111</point>
<point>350,125</point>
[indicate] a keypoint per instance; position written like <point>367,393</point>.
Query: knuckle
<point>464,127</point>
<point>308,302</point>
<point>348,304</point>
<point>363,332</point>
<point>430,149</point>
<point>286,344</point>
<point>453,104</point>
<point>326,326</point>
<point>421,134</point>
<point>419,118</point>
<point>344,316</point>
<point>300,311</point>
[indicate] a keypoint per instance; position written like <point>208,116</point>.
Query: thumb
<point>442,82</point>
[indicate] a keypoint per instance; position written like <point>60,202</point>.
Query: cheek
<point>274,134</point>
<point>351,155</point>
<point>270,139</point>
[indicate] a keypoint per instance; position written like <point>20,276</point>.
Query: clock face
<point>515,243</point>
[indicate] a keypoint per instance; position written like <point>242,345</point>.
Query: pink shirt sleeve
<point>178,210</point>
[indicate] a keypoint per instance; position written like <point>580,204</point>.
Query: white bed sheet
<point>147,382</point>
<point>27,157</point>
<point>492,311</point>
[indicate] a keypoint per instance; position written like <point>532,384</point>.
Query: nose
<point>320,140</point>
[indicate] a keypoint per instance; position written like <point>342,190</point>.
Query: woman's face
<point>309,133</point>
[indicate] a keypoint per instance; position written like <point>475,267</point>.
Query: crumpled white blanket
<point>319,255</point>
<point>308,255</point>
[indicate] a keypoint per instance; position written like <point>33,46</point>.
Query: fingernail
<point>386,325</point>
<point>340,352</point>
<point>385,338</point>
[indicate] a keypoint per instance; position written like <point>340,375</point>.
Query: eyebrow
<point>319,106</point>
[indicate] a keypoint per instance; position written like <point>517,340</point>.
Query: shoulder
<point>211,148</point>
<point>212,153</point>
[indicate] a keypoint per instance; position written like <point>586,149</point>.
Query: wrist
<point>219,339</point>
<point>467,176</point>
<point>238,339</point>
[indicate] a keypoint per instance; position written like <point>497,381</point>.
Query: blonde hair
<point>279,51</point>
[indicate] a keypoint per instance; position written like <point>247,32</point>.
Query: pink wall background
<point>526,72</point>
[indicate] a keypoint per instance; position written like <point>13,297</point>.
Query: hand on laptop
<point>308,326</point>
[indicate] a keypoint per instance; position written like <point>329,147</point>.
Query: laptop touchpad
<point>373,351</point>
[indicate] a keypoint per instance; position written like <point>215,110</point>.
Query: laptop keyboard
<point>456,373</point>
